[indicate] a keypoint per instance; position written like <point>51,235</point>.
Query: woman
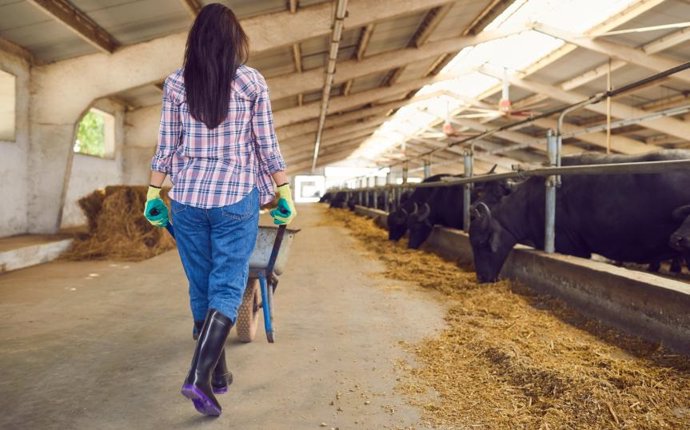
<point>218,145</point>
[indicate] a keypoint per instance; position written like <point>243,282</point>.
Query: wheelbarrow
<point>265,266</point>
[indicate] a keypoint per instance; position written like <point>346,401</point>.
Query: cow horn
<point>483,210</point>
<point>493,169</point>
<point>679,214</point>
<point>414,211</point>
<point>424,213</point>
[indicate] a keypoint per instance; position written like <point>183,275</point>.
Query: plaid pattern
<point>213,168</point>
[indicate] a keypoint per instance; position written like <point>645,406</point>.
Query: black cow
<point>397,220</point>
<point>621,217</point>
<point>445,207</point>
<point>339,200</point>
<point>326,198</point>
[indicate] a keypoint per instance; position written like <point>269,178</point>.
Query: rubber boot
<point>197,386</point>
<point>222,377</point>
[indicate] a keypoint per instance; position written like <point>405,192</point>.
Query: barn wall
<point>141,135</point>
<point>89,173</point>
<point>13,163</point>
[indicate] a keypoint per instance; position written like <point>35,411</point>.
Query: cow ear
<point>679,214</point>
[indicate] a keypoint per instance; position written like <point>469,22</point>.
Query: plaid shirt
<point>218,167</point>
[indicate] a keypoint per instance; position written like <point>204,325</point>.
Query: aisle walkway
<point>104,345</point>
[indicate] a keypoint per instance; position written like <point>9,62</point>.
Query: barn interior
<point>364,94</point>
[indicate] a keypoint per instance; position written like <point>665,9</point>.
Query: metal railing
<point>553,171</point>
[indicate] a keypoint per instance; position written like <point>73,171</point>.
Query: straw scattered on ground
<point>510,358</point>
<point>117,227</point>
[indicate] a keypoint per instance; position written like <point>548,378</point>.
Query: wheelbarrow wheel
<point>248,313</point>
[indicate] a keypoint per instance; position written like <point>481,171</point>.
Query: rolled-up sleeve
<point>266,141</point>
<point>169,135</point>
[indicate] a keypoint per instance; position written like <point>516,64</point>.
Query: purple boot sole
<point>201,402</point>
<point>220,390</point>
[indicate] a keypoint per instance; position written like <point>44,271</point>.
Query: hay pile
<point>117,227</point>
<point>512,359</point>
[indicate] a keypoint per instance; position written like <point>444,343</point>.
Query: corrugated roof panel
<point>459,18</point>
<point>367,82</point>
<point>572,65</point>
<point>134,22</point>
<point>20,14</point>
<point>274,62</point>
<point>416,70</point>
<point>670,11</point>
<point>33,29</point>
<point>312,96</point>
<point>284,103</point>
<point>394,33</point>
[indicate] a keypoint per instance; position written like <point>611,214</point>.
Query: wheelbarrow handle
<point>274,252</point>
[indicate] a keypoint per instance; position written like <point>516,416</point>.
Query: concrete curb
<point>32,255</point>
<point>641,304</point>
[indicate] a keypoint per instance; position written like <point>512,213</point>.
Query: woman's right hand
<point>155,210</point>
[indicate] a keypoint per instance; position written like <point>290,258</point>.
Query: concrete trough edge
<point>32,255</point>
<point>638,303</point>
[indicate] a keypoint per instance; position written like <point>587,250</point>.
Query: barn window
<point>8,96</point>
<point>96,134</point>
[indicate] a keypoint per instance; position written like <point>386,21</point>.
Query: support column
<point>468,159</point>
<point>551,182</point>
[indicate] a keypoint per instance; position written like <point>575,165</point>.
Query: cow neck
<point>511,213</point>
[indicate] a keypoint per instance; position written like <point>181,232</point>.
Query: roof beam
<point>363,43</point>
<point>80,23</point>
<point>311,110</point>
<point>668,41</point>
<point>192,6</point>
<point>670,126</point>
<point>312,80</point>
<point>431,21</point>
<point>625,53</point>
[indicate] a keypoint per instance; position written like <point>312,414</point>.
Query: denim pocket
<point>176,207</point>
<point>244,209</point>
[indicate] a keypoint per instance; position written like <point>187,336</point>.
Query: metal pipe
<point>550,183</point>
<point>427,169</point>
<point>641,168</point>
<point>338,22</point>
<point>404,172</point>
<point>467,189</point>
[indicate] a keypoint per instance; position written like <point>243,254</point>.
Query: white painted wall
<point>89,173</point>
<point>13,155</point>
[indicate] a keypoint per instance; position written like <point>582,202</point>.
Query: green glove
<point>155,211</point>
<point>285,212</point>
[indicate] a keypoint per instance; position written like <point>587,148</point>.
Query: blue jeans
<point>215,245</point>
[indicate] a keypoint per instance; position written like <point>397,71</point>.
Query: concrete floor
<point>105,345</point>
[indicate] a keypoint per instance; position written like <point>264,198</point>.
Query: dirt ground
<point>106,345</point>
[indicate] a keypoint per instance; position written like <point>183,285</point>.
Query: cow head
<point>420,225</point>
<point>397,224</point>
<point>491,244</point>
<point>680,239</point>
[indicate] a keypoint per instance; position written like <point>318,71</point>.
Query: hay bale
<point>117,227</point>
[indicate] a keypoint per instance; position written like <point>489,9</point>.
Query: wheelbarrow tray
<point>258,261</point>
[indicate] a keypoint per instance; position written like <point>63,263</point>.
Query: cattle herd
<point>635,218</point>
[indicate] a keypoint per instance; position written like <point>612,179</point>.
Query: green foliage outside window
<point>91,135</point>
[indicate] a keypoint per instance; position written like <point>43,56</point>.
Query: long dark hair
<point>216,47</point>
